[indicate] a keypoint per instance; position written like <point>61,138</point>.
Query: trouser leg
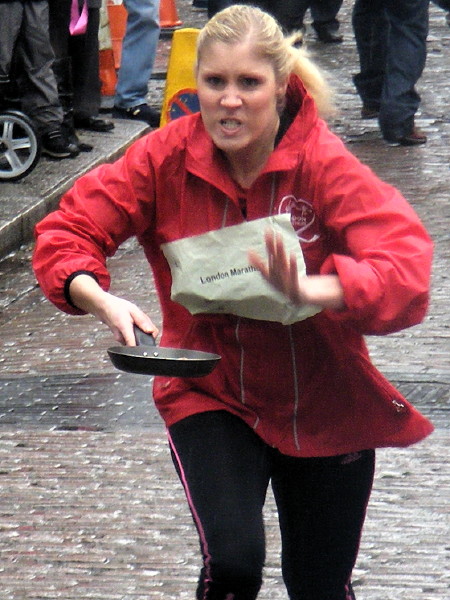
<point>371,29</point>
<point>322,505</point>
<point>405,61</point>
<point>325,12</point>
<point>225,469</point>
<point>289,13</point>
<point>38,84</point>
<point>11,21</point>
<point>84,52</point>
<point>138,52</point>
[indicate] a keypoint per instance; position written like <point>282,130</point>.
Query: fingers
<point>136,317</point>
<point>120,315</point>
<point>259,263</point>
<point>294,280</point>
<point>143,321</point>
<point>280,269</point>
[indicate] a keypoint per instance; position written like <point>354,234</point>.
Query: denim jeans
<point>391,41</point>
<point>138,52</point>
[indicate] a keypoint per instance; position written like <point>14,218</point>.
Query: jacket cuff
<point>69,281</point>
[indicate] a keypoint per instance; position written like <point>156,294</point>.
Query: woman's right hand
<point>117,313</point>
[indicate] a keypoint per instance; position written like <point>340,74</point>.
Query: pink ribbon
<point>78,20</point>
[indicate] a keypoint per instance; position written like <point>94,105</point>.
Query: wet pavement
<point>90,507</point>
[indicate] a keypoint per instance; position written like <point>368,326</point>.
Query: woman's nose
<point>231,97</point>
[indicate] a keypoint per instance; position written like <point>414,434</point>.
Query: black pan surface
<point>149,359</point>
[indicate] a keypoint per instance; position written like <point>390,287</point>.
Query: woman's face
<point>238,96</point>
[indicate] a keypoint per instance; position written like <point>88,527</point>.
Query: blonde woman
<point>295,401</point>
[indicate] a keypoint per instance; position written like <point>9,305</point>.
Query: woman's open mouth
<point>230,124</point>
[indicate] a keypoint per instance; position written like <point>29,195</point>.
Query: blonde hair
<point>239,22</point>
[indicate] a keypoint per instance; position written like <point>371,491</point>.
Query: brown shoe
<point>415,138</point>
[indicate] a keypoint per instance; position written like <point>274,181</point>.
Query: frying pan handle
<point>142,338</point>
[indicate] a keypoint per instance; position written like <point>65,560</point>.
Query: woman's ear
<point>281,96</point>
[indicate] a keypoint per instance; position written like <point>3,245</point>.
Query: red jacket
<point>308,389</point>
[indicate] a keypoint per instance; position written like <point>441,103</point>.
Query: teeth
<point>230,123</point>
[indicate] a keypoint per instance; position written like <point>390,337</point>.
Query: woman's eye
<point>249,82</point>
<point>214,81</point>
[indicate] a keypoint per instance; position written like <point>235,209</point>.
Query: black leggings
<point>225,469</point>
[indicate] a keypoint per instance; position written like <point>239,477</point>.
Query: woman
<point>309,423</point>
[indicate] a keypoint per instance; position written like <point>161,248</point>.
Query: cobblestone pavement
<point>90,507</point>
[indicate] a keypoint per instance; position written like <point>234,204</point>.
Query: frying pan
<point>148,359</point>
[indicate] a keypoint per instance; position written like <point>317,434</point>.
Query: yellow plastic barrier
<point>180,95</point>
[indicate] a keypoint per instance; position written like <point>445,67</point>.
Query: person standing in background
<point>290,15</point>
<point>138,56</point>
<point>25,48</point>
<point>76,68</point>
<point>391,38</point>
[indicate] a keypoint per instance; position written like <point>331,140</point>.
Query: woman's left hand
<point>280,270</point>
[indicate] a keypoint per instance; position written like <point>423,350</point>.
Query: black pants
<point>290,13</point>
<point>225,469</point>
<point>77,60</point>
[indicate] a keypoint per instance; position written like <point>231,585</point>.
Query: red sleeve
<point>104,208</point>
<point>380,249</point>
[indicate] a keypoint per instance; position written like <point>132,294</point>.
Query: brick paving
<point>90,507</point>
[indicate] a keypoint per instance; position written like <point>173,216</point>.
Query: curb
<point>24,203</point>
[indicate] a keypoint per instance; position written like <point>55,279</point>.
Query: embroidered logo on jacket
<point>303,218</point>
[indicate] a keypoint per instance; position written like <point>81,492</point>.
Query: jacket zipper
<point>296,390</point>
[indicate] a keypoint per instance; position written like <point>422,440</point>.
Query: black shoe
<point>75,140</point>
<point>93,124</point>
<point>368,112</point>
<point>415,138</point>
<point>142,112</point>
<point>84,147</point>
<point>56,145</point>
<point>328,34</point>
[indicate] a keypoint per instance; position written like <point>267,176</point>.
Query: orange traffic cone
<point>168,16</point>
<point>107,72</point>
<point>117,15</point>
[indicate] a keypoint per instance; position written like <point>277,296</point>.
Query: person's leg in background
<point>325,22</point>
<point>322,505</point>
<point>76,71</point>
<point>371,28</point>
<point>225,470</point>
<point>84,54</point>
<point>405,61</point>
<point>138,56</point>
<point>40,99</point>
<point>289,13</point>
<point>391,41</point>
<point>11,18</point>
<point>215,6</point>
